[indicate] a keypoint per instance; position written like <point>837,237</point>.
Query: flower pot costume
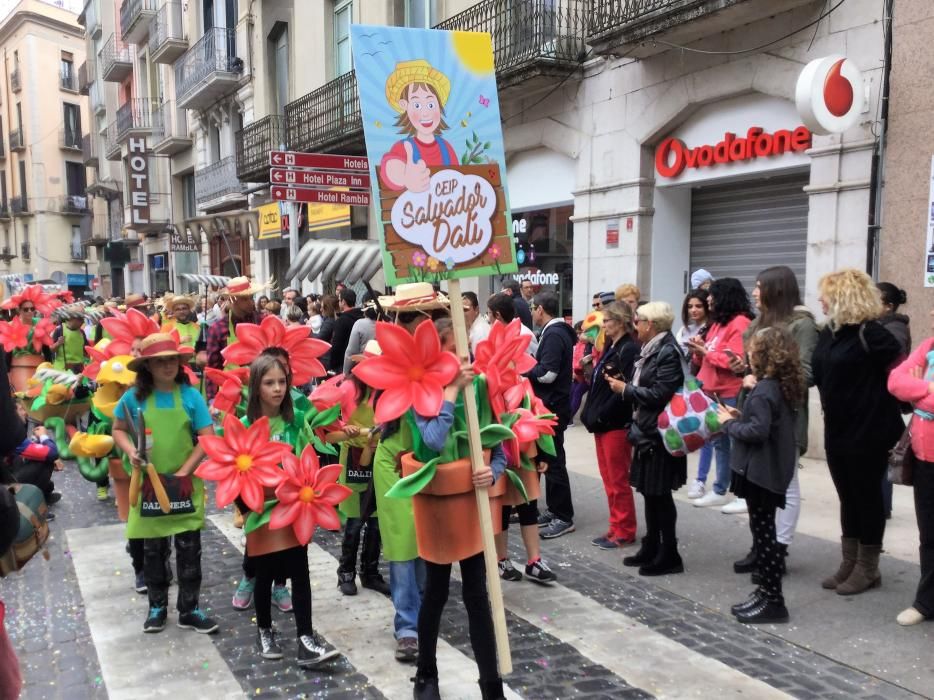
<point>27,338</point>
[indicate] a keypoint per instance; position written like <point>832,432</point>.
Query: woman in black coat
<point>862,420</point>
<point>607,415</point>
<point>655,473</point>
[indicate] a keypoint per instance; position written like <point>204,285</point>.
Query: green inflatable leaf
<point>517,482</point>
<point>509,419</point>
<point>254,521</point>
<point>92,470</point>
<point>410,485</point>
<point>493,434</point>
<point>326,417</point>
<point>546,443</point>
<point>526,463</point>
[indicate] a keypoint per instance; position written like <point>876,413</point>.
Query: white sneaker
<point>696,490</point>
<point>909,616</point>
<point>711,499</point>
<point>735,507</point>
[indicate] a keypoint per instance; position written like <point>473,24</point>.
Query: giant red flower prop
<point>503,358</point>
<point>231,386</point>
<point>242,462</point>
<point>42,334</point>
<point>14,334</point>
<point>44,302</point>
<point>336,390</point>
<point>125,328</point>
<point>303,350</point>
<point>307,496</point>
<point>412,371</point>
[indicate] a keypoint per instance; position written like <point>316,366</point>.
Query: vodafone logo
<point>829,94</point>
<point>672,156</point>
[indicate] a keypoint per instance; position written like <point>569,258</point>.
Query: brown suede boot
<point>850,548</point>
<point>866,572</point>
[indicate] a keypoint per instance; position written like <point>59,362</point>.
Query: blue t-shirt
<point>192,402</point>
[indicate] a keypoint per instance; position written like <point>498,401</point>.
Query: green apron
<point>171,445</point>
<point>187,332</point>
<point>71,352</point>
<point>396,521</point>
<point>362,416</point>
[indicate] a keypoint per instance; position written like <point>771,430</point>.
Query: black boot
<point>667,561</point>
<point>369,566</point>
<point>747,564</point>
<point>346,582</point>
<point>647,552</point>
<point>426,688</point>
<point>492,690</point>
<point>764,611</point>
<point>347,568</point>
<point>754,599</point>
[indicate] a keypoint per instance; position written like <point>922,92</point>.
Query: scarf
<point>649,348</point>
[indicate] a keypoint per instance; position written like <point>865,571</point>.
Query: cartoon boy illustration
<point>418,92</point>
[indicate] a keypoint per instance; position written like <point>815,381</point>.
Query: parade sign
<point>434,139</point>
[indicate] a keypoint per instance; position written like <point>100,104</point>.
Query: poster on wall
<point>929,242</point>
<point>434,139</point>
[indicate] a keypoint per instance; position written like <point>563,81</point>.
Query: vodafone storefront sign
<point>829,94</point>
<point>672,156</point>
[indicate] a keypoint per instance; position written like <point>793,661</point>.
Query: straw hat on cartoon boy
<point>414,296</point>
<point>417,71</point>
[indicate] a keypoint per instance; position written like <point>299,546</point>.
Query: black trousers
<point>557,483</point>
<point>857,478</point>
<point>249,569</point>
<point>356,529</point>
<point>528,514</point>
<point>289,563</point>
<point>661,517</point>
<point>768,555</point>
<point>479,617</point>
<point>924,511</point>
<point>187,566</point>
<point>35,472</point>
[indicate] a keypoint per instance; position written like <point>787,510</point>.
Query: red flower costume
<point>307,496</point>
<point>302,349</point>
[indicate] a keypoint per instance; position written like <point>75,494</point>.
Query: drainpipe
<point>874,243</point>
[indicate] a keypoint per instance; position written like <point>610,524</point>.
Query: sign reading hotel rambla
<point>672,156</point>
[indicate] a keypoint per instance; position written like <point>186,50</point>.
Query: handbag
<point>33,530</point>
<point>902,460</point>
<point>690,419</point>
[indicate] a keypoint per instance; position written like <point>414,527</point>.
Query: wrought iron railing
<point>111,142</point>
<point>608,15</point>
<point>90,19</point>
<point>69,139</point>
<point>89,154</point>
<point>166,26</point>
<point>131,11</point>
<point>212,53</point>
<point>527,32</point>
<point>17,139</point>
<point>325,116</point>
<point>19,204</point>
<point>114,54</point>
<point>216,180</point>
<point>15,84</point>
<point>169,121</point>
<point>133,115</point>
<point>4,209</point>
<point>67,80</point>
<point>254,141</point>
<point>74,204</point>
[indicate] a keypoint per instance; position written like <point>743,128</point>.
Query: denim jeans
<point>721,447</point>
<point>406,585</point>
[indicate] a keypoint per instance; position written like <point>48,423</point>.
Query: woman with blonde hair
<point>862,421</point>
<point>630,295</point>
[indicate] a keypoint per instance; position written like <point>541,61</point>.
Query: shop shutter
<point>739,229</point>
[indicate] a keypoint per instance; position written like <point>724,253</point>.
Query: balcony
<point>541,39</point>
<point>89,155</point>
<point>208,70</point>
<point>74,205</point>
<point>15,84</point>
<point>68,81</point>
<point>167,34</point>
<point>84,79</point>
<point>108,188</point>
<point>69,140</point>
<point>133,118</point>
<point>17,140</point>
<point>641,28</point>
<point>6,253</point>
<point>96,98</point>
<point>254,142</point>
<point>2,148</point>
<point>170,129</point>
<point>135,16</point>
<point>90,19</point>
<point>116,60</point>
<point>217,180</point>
<point>111,142</point>
<point>93,230</point>
<point>24,251</point>
<point>4,210</point>
<point>19,204</point>
<point>326,119</point>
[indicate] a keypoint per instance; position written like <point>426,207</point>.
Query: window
<point>78,251</point>
<point>3,199</point>
<point>421,14</point>
<point>75,179</point>
<point>189,204</point>
<point>22,180</point>
<point>19,116</point>
<point>67,71</point>
<point>25,251</point>
<point>208,15</point>
<point>72,122</point>
<point>279,65</point>
<point>343,12</point>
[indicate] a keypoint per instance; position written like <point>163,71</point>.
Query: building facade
<point>43,121</point>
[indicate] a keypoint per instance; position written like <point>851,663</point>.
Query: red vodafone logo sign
<point>672,155</point>
<point>829,94</point>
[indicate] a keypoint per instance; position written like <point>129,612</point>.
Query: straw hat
<point>417,71</point>
<point>371,349</point>
<point>157,345</point>
<point>414,296</point>
<point>171,301</point>
<point>132,300</point>
<point>242,287</point>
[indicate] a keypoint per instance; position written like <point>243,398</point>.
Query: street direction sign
<point>304,194</point>
<point>325,161</point>
<point>318,178</point>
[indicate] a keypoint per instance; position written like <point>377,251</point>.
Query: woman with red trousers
<point>608,415</point>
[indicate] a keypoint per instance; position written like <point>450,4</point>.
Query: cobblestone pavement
<point>48,624</point>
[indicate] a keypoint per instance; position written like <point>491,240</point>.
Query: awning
<point>347,261</point>
<point>208,280</point>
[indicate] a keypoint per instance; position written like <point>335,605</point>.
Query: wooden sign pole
<point>483,501</point>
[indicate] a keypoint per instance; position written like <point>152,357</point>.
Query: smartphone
<point>610,369</point>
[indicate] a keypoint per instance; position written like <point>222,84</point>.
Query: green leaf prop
<point>546,443</point>
<point>526,463</point>
<point>91,469</point>
<point>493,434</point>
<point>326,417</point>
<point>254,521</point>
<point>410,485</point>
<point>517,482</point>
<point>57,426</point>
<point>509,419</point>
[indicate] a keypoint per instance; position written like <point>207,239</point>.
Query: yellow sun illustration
<point>475,51</point>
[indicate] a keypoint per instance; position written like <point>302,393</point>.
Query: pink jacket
<point>715,372</point>
<point>905,387</point>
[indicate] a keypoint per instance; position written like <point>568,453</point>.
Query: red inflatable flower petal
<point>303,350</point>
<point>307,496</point>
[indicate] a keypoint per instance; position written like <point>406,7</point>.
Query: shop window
<point>421,14</point>
<point>159,274</point>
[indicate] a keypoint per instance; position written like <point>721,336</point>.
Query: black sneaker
<point>53,498</point>
<point>556,528</point>
<point>139,584</point>
<point>508,572</point>
<point>313,650</point>
<point>196,620</point>
<point>155,621</point>
<point>545,518</point>
<point>539,572</point>
<point>347,582</point>
<point>766,611</point>
<point>426,688</point>
<point>375,582</point>
<point>266,642</point>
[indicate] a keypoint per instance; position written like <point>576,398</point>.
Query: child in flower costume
<point>27,339</point>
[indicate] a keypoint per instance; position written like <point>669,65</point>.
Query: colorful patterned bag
<point>690,418</point>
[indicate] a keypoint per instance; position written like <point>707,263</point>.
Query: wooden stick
<point>136,479</point>
<point>483,502</point>
<point>158,487</point>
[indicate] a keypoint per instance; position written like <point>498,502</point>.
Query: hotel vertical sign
<point>138,166</point>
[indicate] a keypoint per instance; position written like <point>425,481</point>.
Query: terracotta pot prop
<point>121,482</point>
<point>530,479</point>
<point>22,368</point>
<point>447,526</point>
